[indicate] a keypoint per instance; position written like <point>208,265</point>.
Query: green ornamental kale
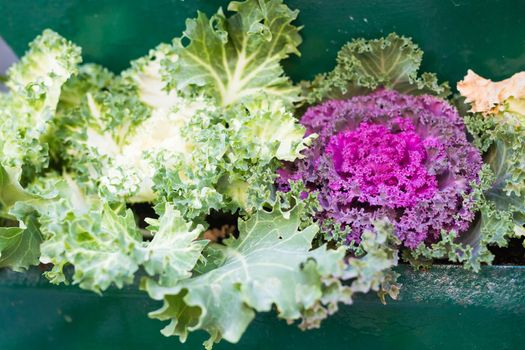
<point>203,126</point>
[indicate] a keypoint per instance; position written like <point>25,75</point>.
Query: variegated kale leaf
<point>238,57</point>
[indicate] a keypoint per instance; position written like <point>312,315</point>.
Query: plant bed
<point>137,179</point>
<point>446,306</point>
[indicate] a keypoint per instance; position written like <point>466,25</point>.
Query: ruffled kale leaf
<point>259,268</point>
<point>238,57</point>
<point>499,199</point>
<point>104,244</point>
<point>174,249</point>
<point>259,134</point>
<point>90,78</point>
<point>364,65</point>
<point>270,263</point>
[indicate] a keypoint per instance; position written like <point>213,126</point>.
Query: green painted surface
<point>487,35</point>
<point>441,309</point>
<point>445,308</point>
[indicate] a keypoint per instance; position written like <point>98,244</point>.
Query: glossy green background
<point>446,308</point>
<point>486,35</point>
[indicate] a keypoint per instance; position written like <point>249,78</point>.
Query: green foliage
<point>105,245</point>
<point>271,264</point>
<point>364,65</point>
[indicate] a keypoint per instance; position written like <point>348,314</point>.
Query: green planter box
<point>446,307</point>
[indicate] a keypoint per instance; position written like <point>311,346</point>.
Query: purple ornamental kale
<point>390,155</point>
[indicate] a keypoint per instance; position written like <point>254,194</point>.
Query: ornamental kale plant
<point>389,146</point>
<point>389,155</point>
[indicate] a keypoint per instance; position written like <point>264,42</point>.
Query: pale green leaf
<point>103,246</point>
<point>238,57</point>
<point>174,249</point>
<point>269,264</point>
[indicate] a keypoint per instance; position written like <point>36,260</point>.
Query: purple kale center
<point>388,168</point>
<point>390,155</point>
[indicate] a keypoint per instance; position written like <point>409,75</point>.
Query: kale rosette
<point>393,155</point>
